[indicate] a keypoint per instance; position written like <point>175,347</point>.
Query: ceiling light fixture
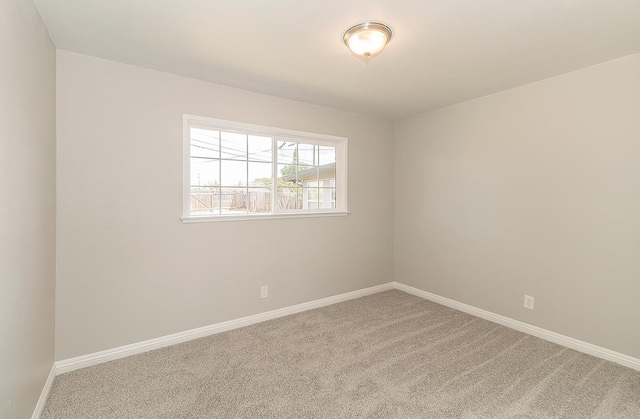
<point>366,40</point>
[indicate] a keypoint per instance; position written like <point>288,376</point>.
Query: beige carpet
<point>389,355</point>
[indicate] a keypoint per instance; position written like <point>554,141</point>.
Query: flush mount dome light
<point>367,39</point>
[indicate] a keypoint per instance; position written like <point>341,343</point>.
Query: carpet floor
<point>388,355</point>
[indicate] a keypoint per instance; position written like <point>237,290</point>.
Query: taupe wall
<point>536,191</point>
<point>27,207</point>
<point>129,270</point>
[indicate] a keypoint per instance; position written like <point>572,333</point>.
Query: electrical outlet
<point>528,302</point>
<point>264,291</point>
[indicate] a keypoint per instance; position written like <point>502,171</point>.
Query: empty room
<point>295,209</point>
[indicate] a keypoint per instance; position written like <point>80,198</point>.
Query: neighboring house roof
<point>311,173</point>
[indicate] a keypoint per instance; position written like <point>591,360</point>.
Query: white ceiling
<point>443,51</point>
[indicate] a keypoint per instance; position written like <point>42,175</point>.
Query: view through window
<point>239,169</point>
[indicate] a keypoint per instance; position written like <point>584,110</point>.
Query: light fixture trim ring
<point>363,26</point>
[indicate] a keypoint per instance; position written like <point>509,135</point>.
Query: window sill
<point>223,218</point>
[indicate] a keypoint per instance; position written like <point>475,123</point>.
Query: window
<point>234,170</point>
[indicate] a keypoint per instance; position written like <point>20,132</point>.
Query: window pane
<point>333,194</point>
<point>307,154</point>
<point>234,173</point>
<point>307,173</point>
<point>287,173</point>
<point>311,196</point>
<point>327,198</point>
<point>327,155</point>
<point>260,149</point>
<point>287,150</point>
<point>260,174</point>
<point>289,198</point>
<point>316,197</point>
<point>204,143</point>
<point>259,200</point>
<point>205,200</point>
<point>234,146</point>
<point>205,172</point>
<point>234,201</point>
<point>319,194</point>
<point>327,175</point>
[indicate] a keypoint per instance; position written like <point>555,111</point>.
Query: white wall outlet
<point>528,302</point>
<point>264,291</point>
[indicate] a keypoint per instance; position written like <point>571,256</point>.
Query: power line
<point>230,154</point>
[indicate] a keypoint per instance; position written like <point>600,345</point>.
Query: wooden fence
<point>240,201</point>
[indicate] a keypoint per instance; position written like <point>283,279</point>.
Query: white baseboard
<point>545,334</point>
<point>44,395</point>
<point>89,360</point>
<point>84,361</point>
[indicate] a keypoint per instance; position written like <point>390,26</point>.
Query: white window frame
<point>340,144</point>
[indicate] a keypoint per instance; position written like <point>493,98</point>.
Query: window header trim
<point>242,128</point>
